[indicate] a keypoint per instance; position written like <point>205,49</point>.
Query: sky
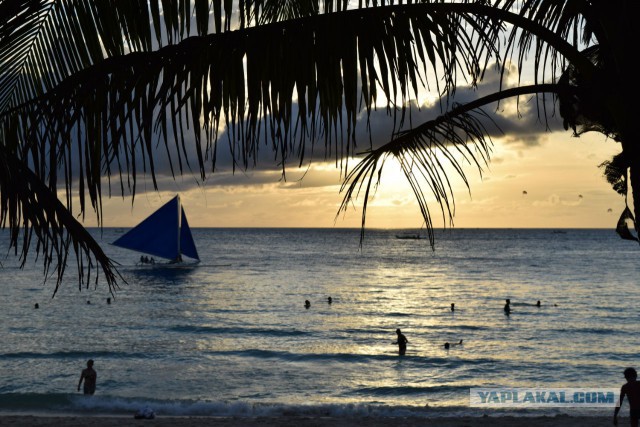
<point>560,175</point>
<point>538,177</point>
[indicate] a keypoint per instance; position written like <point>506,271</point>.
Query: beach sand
<point>294,421</point>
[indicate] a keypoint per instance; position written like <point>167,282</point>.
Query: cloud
<point>524,121</point>
<point>517,123</point>
<point>556,200</point>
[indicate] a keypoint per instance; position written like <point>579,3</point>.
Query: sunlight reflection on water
<point>235,327</point>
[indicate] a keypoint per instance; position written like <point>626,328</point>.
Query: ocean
<point>232,336</point>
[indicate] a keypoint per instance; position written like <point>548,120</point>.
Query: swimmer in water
<point>447,345</point>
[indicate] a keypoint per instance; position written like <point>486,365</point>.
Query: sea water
<point>232,336</point>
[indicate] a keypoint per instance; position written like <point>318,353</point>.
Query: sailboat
<point>165,234</point>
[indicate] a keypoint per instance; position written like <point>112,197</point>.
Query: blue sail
<point>187,245</point>
<point>161,235</point>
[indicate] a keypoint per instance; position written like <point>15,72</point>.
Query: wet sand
<point>294,421</point>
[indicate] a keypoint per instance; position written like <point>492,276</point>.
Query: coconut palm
<point>93,93</point>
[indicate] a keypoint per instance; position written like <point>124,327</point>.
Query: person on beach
<point>89,376</point>
<point>632,390</point>
<point>402,342</point>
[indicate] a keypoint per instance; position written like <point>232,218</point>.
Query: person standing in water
<point>89,376</point>
<point>632,391</point>
<point>507,307</point>
<point>402,342</point>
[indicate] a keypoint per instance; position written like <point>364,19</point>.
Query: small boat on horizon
<point>409,236</point>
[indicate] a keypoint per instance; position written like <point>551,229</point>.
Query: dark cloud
<point>524,125</point>
<point>525,120</point>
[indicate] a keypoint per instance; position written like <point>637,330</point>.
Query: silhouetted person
<point>108,300</point>
<point>88,302</point>
<point>453,307</point>
<point>632,390</point>
<point>141,259</point>
<point>307,304</point>
<point>36,305</point>
<point>402,343</point>
<point>507,307</point>
<point>89,376</point>
<point>447,345</point>
<point>329,300</point>
<point>538,303</point>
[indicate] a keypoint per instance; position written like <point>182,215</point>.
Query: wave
<point>237,331</point>
<point>65,404</point>
<point>411,358</point>
<point>594,330</point>
<point>409,390</point>
<point>72,354</point>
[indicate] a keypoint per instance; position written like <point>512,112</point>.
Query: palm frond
<point>25,202</point>
<point>270,11</point>
<point>43,42</point>
<point>43,45</point>
<point>460,136</point>
<point>207,74</point>
<point>564,19</point>
<point>615,172</point>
